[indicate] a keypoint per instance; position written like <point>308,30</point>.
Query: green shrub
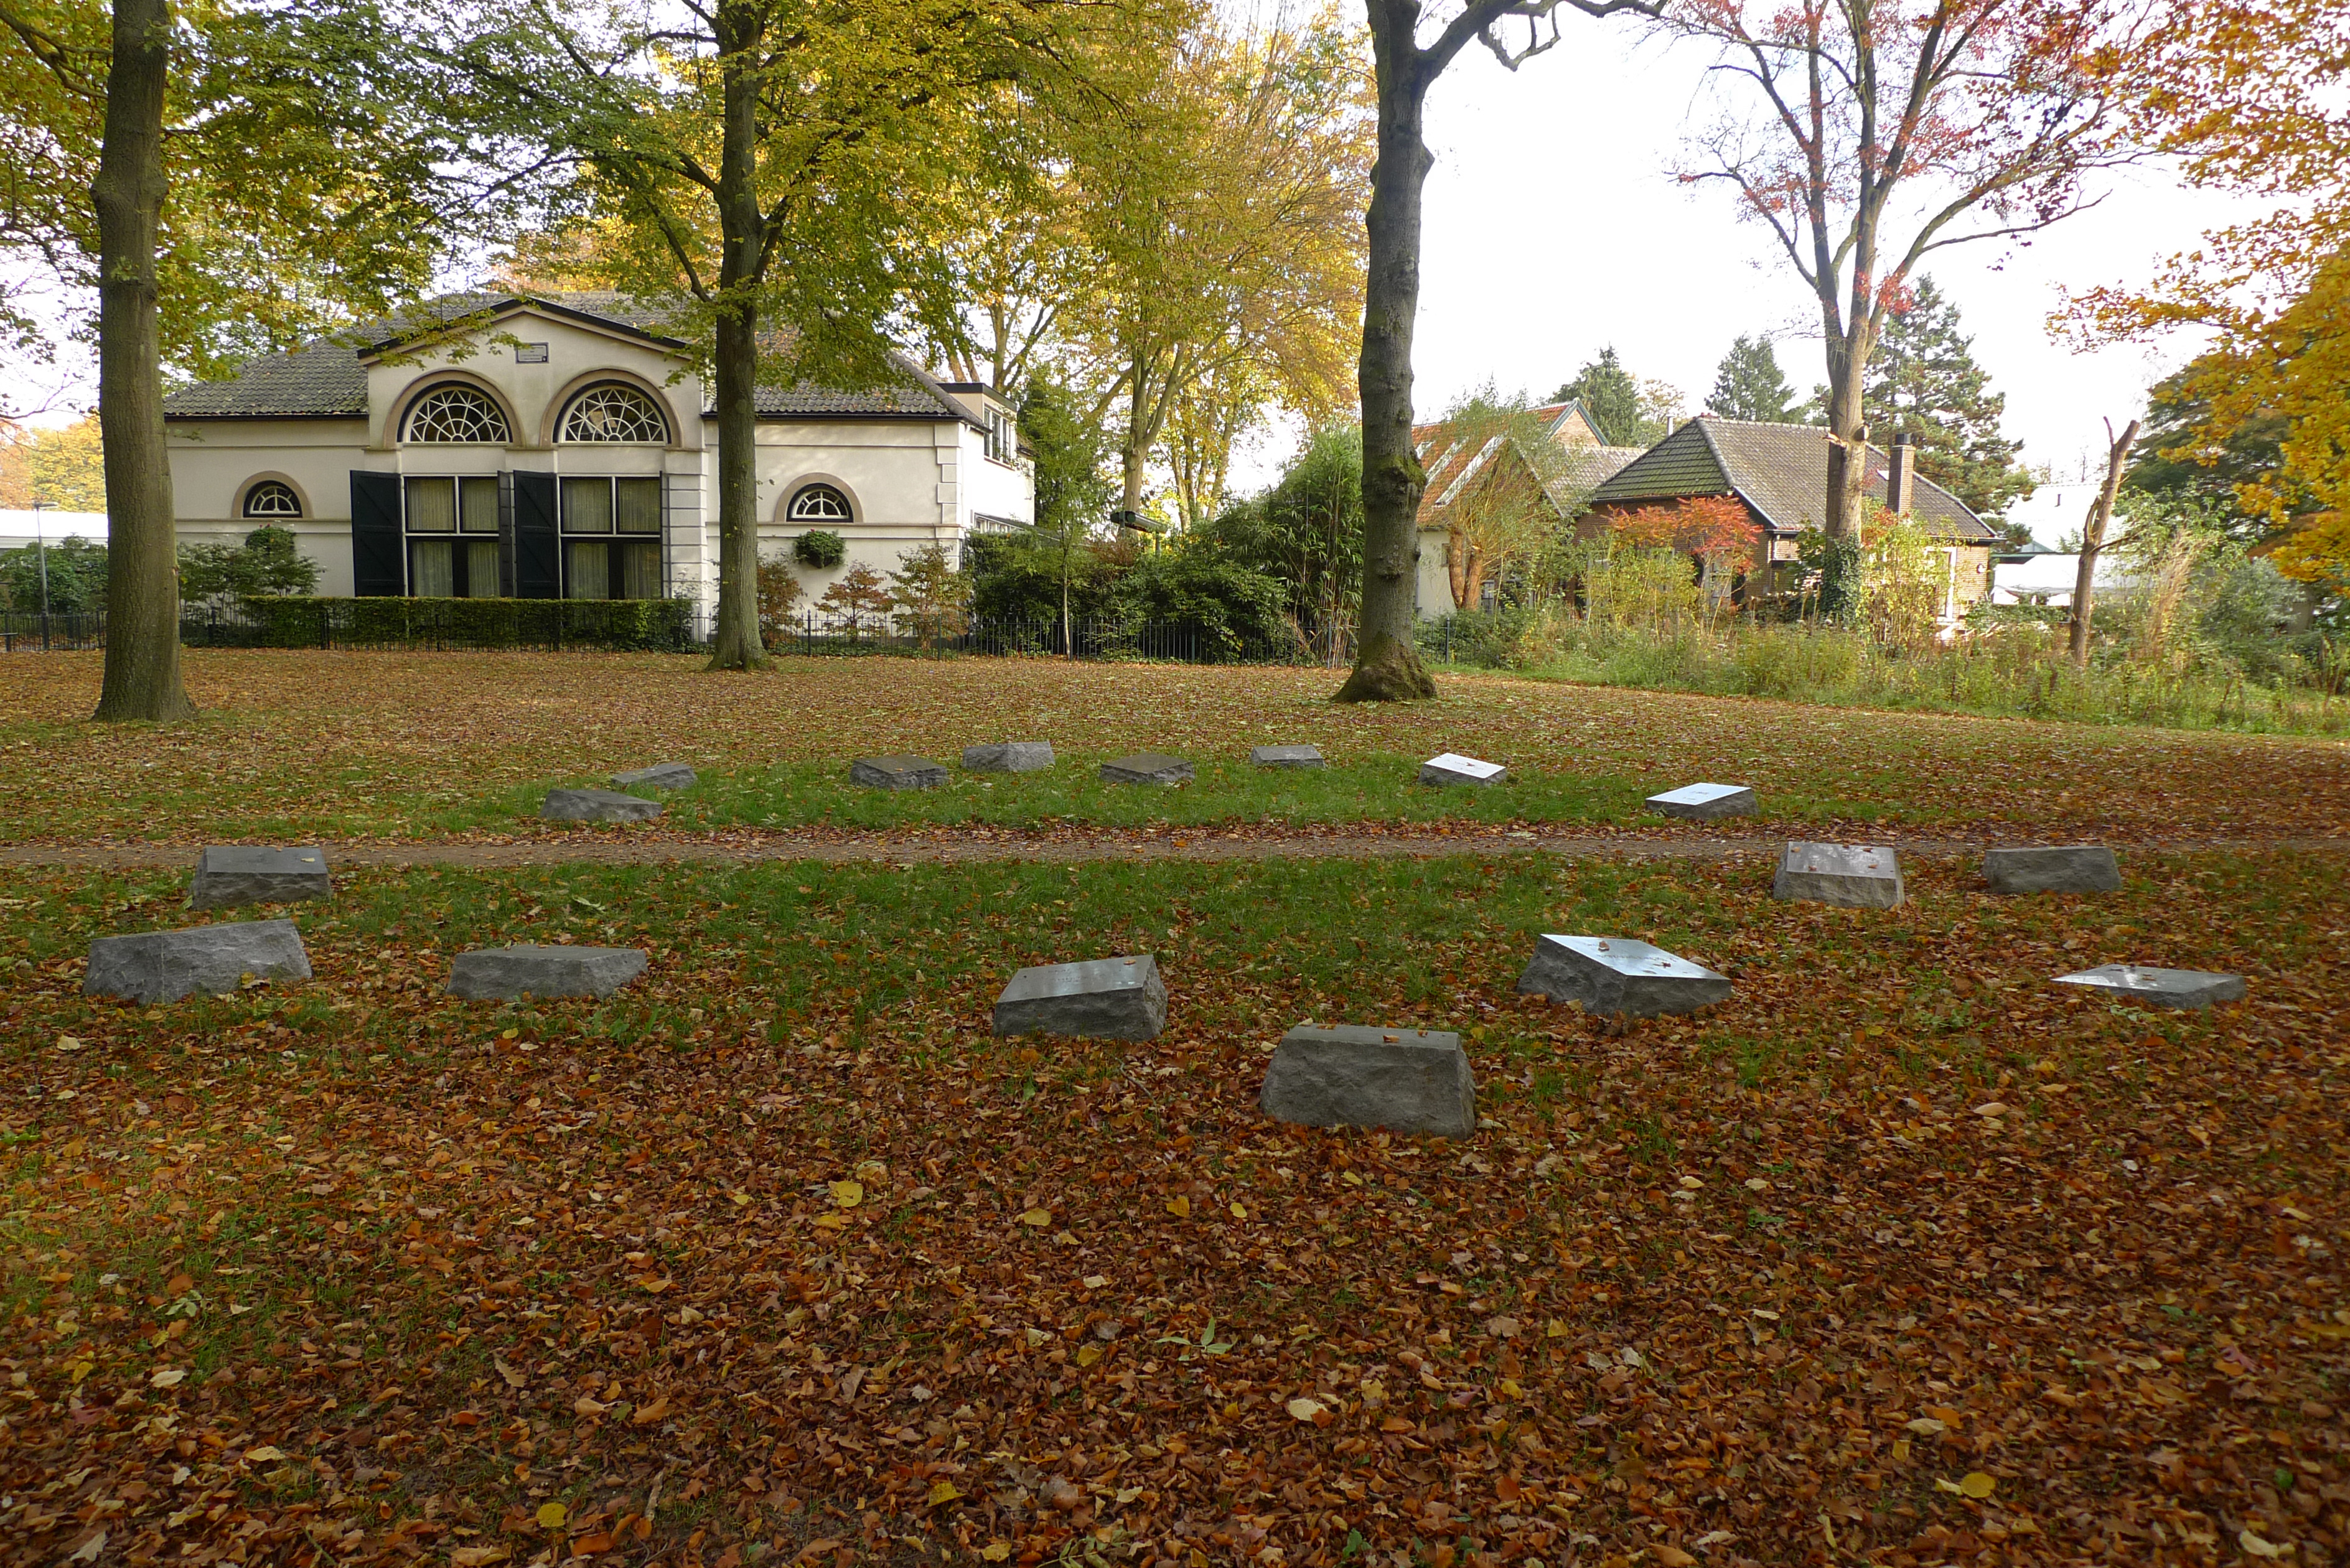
<point>820,549</point>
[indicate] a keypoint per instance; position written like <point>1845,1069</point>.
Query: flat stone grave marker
<point>164,966</point>
<point>1287,756</point>
<point>506,974</point>
<point>229,874</point>
<point>597,805</point>
<point>1451,768</point>
<point>896,773</point>
<point>1405,1080</point>
<point>2053,868</point>
<point>1853,875</point>
<point>1097,999</point>
<point>660,775</point>
<point>1705,802</point>
<point>2183,988</point>
<point>1620,975</point>
<point>1147,768</point>
<point>1009,757</point>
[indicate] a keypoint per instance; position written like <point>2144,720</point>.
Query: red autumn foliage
<point>1718,528</point>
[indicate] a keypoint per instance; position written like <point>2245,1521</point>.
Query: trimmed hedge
<point>291,622</point>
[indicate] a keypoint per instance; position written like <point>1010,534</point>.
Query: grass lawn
<point>779,1255</point>
<point>405,747</point>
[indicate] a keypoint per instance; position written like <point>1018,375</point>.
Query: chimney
<point>1902,478</point>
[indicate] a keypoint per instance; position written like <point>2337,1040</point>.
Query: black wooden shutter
<point>506,534</point>
<point>378,563</point>
<point>538,548</point>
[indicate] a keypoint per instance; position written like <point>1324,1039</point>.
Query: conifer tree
<point>1615,403</point>
<point>1749,384</point>
<point>1924,380</point>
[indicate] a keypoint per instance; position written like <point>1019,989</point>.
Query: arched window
<point>456,414</point>
<point>272,498</point>
<point>614,413</point>
<point>819,503</point>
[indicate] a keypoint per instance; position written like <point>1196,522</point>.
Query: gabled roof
<point>1779,469</point>
<point>327,379</point>
<point>1453,462</point>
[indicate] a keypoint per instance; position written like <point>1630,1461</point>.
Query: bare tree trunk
<point>735,643</point>
<point>2092,539</point>
<point>1387,666</point>
<point>142,579</point>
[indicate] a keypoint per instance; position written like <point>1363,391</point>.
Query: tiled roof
<point>327,379</point>
<point>1780,470</point>
<point>1452,461</point>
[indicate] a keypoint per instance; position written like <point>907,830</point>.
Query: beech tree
<point>2248,94</point>
<point>1388,666</point>
<point>226,179</point>
<point>1873,133</point>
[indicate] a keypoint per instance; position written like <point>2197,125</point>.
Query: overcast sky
<point>1555,228</point>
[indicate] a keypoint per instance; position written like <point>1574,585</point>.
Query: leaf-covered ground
<point>405,747</point>
<point>1901,1256</point>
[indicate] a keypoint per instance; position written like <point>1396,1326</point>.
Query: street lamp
<point>41,556</point>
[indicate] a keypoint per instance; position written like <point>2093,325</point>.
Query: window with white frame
<point>451,528</point>
<point>613,412</point>
<point>612,538</point>
<point>458,415</point>
<point>818,504</point>
<point>272,498</point>
<point>1003,436</point>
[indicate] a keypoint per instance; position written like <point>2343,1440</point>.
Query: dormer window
<point>614,413</point>
<point>456,415</point>
<point>272,498</point>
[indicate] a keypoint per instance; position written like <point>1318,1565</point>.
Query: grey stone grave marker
<point>164,966</point>
<point>505,974</point>
<point>1147,768</point>
<point>2052,869</point>
<point>1009,757</point>
<point>896,773</point>
<point>660,775</point>
<point>1620,975</point>
<point>597,805</point>
<point>229,874</point>
<point>1406,1080</point>
<point>1098,999</point>
<point>2183,988</point>
<point>1855,876</point>
<point>1287,756</point>
<point>1705,802</point>
<point>1451,768</point>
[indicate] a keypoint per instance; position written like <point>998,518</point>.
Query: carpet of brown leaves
<point>366,745</point>
<point>1901,1257</point>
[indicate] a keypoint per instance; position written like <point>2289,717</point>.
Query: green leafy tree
<point>1306,533</point>
<point>1923,378</point>
<point>268,562</point>
<point>75,569</point>
<point>224,176</point>
<point>930,595</point>
<point>1074,489</point>
<point>1749,385</point>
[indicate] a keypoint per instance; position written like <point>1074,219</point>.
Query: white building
<point>2048,578</point>
<point>562,446</point>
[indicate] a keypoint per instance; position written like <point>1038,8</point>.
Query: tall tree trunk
<point>1387,666</point>
<point>1842,572</point>
<point>143,580</point>
<point>735,643</point>
<point>2092,539</point>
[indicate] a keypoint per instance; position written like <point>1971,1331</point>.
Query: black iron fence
<point>681,626</point>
